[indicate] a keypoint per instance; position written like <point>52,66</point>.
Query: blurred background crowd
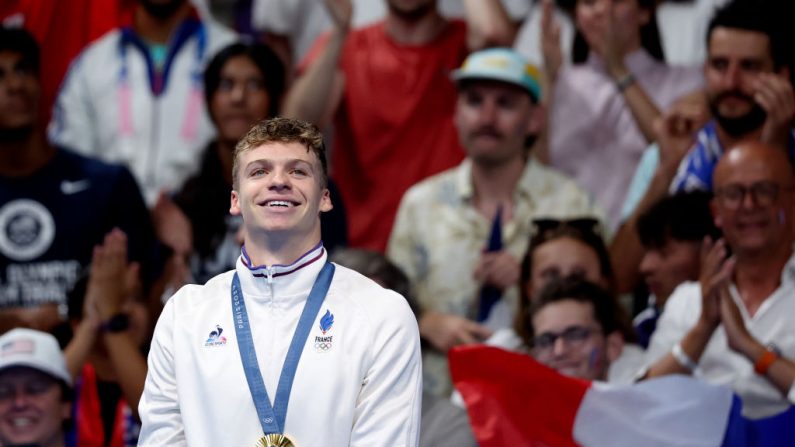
<point>604,185</point>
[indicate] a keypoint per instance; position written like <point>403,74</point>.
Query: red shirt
<point>62,29</point>
<point>394,126</point>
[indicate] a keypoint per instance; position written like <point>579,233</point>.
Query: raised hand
<point>676,129</point>
<point>499,269</point>
<point>112,280</point>
<point>341,12</point>
<point>773,92</point>
<point>550,41</point>
<point>716,272</point>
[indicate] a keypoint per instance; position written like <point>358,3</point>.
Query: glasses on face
<point>572,336</point>
<point>763,194</point>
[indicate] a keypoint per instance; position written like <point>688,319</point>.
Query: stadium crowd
<point>606,186</point>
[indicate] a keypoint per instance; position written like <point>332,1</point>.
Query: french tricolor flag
<point>512,400</point>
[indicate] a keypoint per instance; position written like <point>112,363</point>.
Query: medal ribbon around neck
<point>272,417</point>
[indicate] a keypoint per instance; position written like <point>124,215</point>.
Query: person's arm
<point>488,25</point>
<point>441,330</point>
<point>161,417</point>
<point>111,284</point>
<point>675,133</point>
<point>637,99</point>
<point>316,94</point>
<point>78,349</point>
<point>388,405</point>
<point>552,55</point>
<point>716,271</point>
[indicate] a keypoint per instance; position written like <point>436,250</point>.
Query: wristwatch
<point>117,323</point>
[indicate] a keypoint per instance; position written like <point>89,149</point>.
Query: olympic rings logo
<point>322,346</point>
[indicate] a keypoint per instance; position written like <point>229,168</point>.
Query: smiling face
<point>31,409</point>
<point>754,199</point>
<point>571,341</point>
<point>280,192</point>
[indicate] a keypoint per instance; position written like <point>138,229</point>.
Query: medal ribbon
<point>272,416</point>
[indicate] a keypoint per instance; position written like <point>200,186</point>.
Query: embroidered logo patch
<point>323,344</point>
<point>215,338</point>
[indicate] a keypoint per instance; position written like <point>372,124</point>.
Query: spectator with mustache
<point>748,86</point>
<point>460,233</point>
<point>750,96</point>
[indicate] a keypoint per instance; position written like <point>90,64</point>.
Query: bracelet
<point>763,363</point>
<point>625,82</point>
<point>682,358</point>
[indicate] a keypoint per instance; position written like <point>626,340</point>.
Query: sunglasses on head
<point>583,225</point>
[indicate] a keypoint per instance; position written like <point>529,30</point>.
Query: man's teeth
<point>279,203</point>
<point>21,422</point>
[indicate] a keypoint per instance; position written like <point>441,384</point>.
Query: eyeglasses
<point>584,225</point>
<point>763,194</point>
<point>572,336</point>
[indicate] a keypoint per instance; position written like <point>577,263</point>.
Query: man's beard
<point>15,134</point>
<point>411,15</point>
<point>741,125</point>
<point>161,10</point>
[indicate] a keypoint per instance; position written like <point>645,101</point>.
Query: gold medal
<point>275,440</point>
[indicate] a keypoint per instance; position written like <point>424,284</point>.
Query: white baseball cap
<point>33,349</point>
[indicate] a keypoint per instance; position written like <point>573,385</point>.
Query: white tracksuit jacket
<point>160,138</point>
<point>360,386</point>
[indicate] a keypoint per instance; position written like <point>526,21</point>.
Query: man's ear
<point>614,346</point>
<point>325,201</point>
<point>234,204</point>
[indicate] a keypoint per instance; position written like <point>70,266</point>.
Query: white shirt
<point>772,323</point>
<point>361,385</point>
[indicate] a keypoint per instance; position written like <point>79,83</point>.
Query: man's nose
<point>279,179</point>
<point>559,347</point>
<point>732,80</point>
<point>20,399</point>
<point>488,113</point>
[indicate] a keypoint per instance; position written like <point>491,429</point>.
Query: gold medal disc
<point>275,440</point>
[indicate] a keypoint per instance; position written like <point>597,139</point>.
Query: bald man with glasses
<point>734,326</point>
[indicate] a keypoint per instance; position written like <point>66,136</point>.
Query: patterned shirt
<point>439,236</point>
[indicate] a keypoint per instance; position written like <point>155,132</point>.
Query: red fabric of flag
<point>512,400</point>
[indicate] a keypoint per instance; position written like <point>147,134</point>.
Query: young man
<point>750,96</point>
<point>734,327</point>
<point>672,232</point>
<point>386,88</point>
<point>35,390</point>
<point>444,223</point>
<point>55,205</point>
<point>575,329</point>
<point>358,380</point>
